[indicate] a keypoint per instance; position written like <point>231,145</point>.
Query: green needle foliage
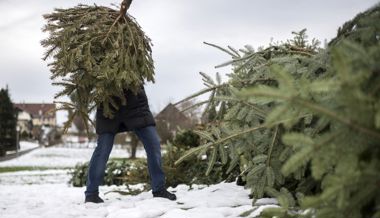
<point>97,53</point>
<point>8,123</point>
<point>302,123</point>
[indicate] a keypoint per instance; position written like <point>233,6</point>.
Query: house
<point>169,120</point>
<point>76,133</point>
<point>24,121</point>
<point>38,121</point>
<point>41,114</point>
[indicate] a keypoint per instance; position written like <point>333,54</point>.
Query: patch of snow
<point>62,157</point>
<point>25,145</point>
<point>32,173</point>
<point>47,193</point>
<point>63,201</point>
<point>35,177</point>
<point>265,201</point>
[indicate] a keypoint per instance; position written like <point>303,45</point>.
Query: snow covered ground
<point>24,145</point>
<point>58,156</point>
<point>62,201</point>
<point>35,177</point>
<point>47,193</point>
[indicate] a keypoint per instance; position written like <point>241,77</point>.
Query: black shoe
<point>93,199</point>
<point>164,194</point>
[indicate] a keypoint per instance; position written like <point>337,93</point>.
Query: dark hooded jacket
<point>135,114</point>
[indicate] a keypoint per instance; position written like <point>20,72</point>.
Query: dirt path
<point>15,155</point>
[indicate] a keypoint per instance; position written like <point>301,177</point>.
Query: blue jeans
<point>97,166</point>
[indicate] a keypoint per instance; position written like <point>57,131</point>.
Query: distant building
<point>24,121</point>
<point>169,120</point>
<point>39,122</point>
<point>41,114</point>
<point>75,133</point>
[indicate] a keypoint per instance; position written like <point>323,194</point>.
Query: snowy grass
<point>62,157</point>
<point>24,168</point>
<point>49,176</point>
<point>25,145</point>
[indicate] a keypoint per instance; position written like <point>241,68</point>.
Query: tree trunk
<point>134,144</point>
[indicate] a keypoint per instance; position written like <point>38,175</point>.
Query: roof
<point>170,111</point>
<point>173,115</point>
<point>38,110</point>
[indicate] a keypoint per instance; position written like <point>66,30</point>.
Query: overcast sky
<point>177,28</point>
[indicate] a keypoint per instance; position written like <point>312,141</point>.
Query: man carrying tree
<point>102,58</point>
<point>135,116</point>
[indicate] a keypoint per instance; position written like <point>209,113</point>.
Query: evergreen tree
<point>97,53</point>
<point>8,122</point>
<point>302,123</point>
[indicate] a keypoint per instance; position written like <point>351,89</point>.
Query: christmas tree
<point>97,53</point>
<point>302,123</point>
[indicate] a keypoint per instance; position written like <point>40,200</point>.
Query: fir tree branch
<point>195,105</point>
<point>376,89</point>
<point>259,111</point>
<point>302,53</point>
<point>234,61</point>
<point>208,145</point>
<point>234,51</point>
<point>272,145</point>
<point>247,82</point>
<point>222,49</point>
<point>348,122</point>
<point>213,143</point>
<point>240,133</point>
<point>109,31</point>
<point>201,93</point>
<point>123,10</point>
<point>254,68</point>
<point>131,34</point>
<point>319,109</point>
<point>84,53</point>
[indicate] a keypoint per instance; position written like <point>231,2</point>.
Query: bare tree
<point>194,113</point>
<point>134,144</point>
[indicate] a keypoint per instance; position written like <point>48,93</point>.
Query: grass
<point>126,159</point>
<point>28,168</point>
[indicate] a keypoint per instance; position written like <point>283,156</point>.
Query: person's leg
<point>97,165</point>
<point>150,139</point>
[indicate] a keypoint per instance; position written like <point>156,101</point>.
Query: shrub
<point>119,171</point>
<point>123,171</point>
<point>186,139</point>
